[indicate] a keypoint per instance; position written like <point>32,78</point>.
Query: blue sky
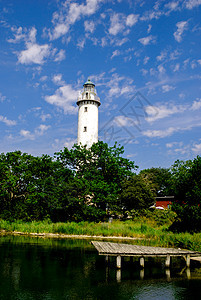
<point>143,56</point>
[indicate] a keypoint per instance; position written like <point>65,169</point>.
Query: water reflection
<point>34,268</point>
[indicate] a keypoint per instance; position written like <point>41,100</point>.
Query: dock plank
<point>108,248</point>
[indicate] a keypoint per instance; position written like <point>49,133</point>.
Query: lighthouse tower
<point>88,104</point>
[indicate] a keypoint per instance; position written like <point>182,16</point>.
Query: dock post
<point>188,273</point>
<point>107,259</point>
<point>188,261</point>
<point>167,272</point>
<point>142,274</point>
<point>119,275</point>
<point>118,262</point>
<point>167,261</point>
<point>142,262</point>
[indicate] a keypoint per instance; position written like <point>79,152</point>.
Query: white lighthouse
<point>88,104</point>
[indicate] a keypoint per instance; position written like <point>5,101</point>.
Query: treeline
<point>93,184</point>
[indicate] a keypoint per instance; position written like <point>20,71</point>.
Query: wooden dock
<point>120,250</point>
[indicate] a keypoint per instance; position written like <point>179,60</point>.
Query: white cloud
<point>144,72</point>
<point>161,69</point>
<point>114,86</point>
<point>162,56</point>
<point>186,62</point>
<point>196,105</point>
<point>114,91</point>
<point>57,79</point>
<point>151,14</point>
<point>197,149</point>
<point>147,40</point>
<point>81,43</point>
<point>162,111</point>
<point>27,134</point>
<point>149,28</point>
<point>70,142</point>
<point>18,35</point>
<point>89,26</point>
<point>70,13</point>
<point>183,150</point>
<point>131,20</point>
<point>181,27</point>
<point>43,78</point>
<point>39,131</point>
<point>59,30</point>
<point>64,97</point>
<point>44,117</point>
<point>166,88</point>
<point>172,5</point>
<point>146,59</point>
<point>118,42</point>
<point>117,24</point>
<point>22,34</point>
<point>7,122</point>
<point>193,64</point>
<point>115,53</point>
<point>104,42</point>
<point>60,55</point>
<point>123,121</point>
<point>176,68</point>
<point>2,98</point>
<point>173,144</point>
<point>179,147</point>
<point>175,54</point>
<point>119,85</point>
<point>34,54</point>
<point>190,4</point>
<point>159,133</point>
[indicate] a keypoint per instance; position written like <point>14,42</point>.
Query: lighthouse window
<point>85,109</point>
<point>87,95</point>
<point>85,129</point>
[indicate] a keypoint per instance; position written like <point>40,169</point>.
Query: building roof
<point>89,82</point>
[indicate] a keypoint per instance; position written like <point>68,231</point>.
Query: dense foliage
<point>93,184</point>
<point>77,184</point>
<point>186,186</point>
<point>136,194</point>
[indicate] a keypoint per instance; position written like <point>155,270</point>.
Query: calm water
<point>33,268</point>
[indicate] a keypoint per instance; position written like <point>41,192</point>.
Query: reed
<point>150,233</point>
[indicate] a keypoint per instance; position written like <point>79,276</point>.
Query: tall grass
<point>144,229</point>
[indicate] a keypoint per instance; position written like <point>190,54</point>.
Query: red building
<point>164,202</point>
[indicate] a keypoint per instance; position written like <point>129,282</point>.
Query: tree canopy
<point>186,186</point>
<point>92,184</point>
<point>101,169</point>
<point>75,184</point>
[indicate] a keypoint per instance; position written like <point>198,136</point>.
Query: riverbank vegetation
<point>93,185</point>
<point>147,230</point>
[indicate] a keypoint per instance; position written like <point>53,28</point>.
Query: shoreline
<point>66,236</point>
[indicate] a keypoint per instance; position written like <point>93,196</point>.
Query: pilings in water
<point>142,261</point>
<point>118,262</point>
<point>167,261</point>
<point>119,251</point>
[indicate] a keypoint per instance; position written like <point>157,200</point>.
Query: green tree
<point>15,178</point>
<point>186,183</point>
<point>136,194</point>
<point>30,187</point>
<point>102,169</point>
<point>159,180</point>
<point>76,184</point>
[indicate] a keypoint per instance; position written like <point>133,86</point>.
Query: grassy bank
<point>150,231</point>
